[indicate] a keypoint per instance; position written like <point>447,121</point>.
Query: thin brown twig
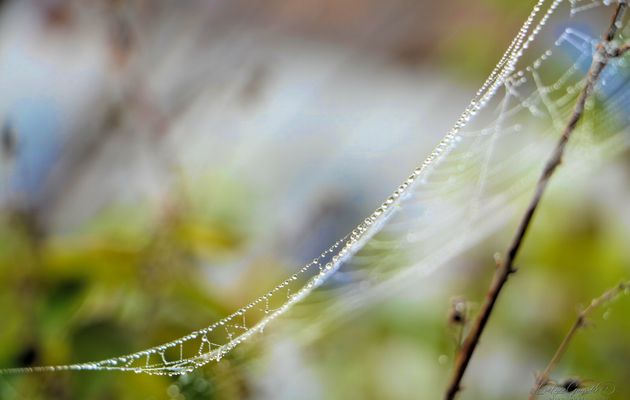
<point>580,322</point>
<point>506,267</point>
<point>620,51</point>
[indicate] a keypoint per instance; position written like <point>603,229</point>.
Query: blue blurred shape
<point>35,127</point>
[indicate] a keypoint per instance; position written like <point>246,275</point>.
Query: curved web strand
<point>464,189</point>
<point>480,185</point>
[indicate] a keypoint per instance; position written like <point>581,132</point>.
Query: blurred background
<point>164,162</point>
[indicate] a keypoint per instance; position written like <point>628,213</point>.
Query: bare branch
<point>621,50</point>
<point>580,322</point>
<point>506,267</point>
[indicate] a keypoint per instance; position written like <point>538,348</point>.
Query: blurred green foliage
<point>130,278</point>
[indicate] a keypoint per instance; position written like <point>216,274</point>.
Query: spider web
<point>467,186</point>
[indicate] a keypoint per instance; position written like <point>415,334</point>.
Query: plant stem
<point>506,267</point>
<point>579,323</point>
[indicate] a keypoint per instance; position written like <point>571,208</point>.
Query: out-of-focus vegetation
<point>124,280</point>
<point>138,270</point>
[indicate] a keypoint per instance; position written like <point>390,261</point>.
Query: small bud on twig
<point>458,313</point>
